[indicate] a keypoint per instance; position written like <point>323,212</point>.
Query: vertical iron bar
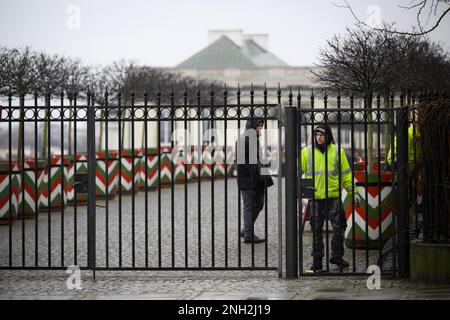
<point>172,184</point>
<point>146,175</point>
<point>338,165</point>
<point>91,183</point>
<point>22,175</point>
<point>49,161</point>
<point>327,246</point>
<point>158,105</point>
<point>280,188</point>
<point>211,94</point>
<point>225,110</point>
<point>352,137</point>
<point>379,119</point>
<point>10,170</point>
<point>291,201</point>
<point>253,178</point>
<point>238,101</point>
<point>199,176</point>
<point>299,177</point>
<point>266,233</point>
<point>402,203</point>
<point>413,106</point>
<point>366,179</point>
<point>106,114</point>
<point>36,192</point>
<point>314,207</point>
<point>133,187</point>
<point>63,176</point>
<point>185,159</point>
<point>75,209</point>
<point>394,183</point>
<point>119,108</point>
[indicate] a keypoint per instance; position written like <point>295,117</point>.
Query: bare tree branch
<point>421,32</point>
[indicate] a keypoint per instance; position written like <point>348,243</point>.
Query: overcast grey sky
<point>166,32</point>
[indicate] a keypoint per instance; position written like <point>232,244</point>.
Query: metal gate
<point>375,232</point>
<point>113,189</point>
<point>126,192</point>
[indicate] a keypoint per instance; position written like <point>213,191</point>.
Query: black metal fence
<point>131,198</point>
<point>373,192</point>
<point>115,191</point>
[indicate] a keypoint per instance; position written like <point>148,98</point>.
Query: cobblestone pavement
<point>215,251</point>
<point>206,285</point>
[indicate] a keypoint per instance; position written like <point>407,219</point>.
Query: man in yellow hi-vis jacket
<point>327,202</point>
<point>413,146</point>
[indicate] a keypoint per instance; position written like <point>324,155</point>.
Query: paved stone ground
<point>177,284</point>
<point>206,285</point>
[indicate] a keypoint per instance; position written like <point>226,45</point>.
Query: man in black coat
<point>250,180</point>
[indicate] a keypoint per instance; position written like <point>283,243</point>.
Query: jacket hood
<point>253,123</point>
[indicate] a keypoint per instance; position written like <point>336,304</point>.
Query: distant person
<point>251,182</point>
<point>413,147</point>
<point>327,204</point>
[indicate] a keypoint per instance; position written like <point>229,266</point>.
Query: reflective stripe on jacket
<point>320,171</point>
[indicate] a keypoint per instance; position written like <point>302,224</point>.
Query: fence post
<point>402,207</point>
<point>291,192</point>
<point>91,185</point>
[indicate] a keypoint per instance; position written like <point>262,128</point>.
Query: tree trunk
<point>70,127</point>
<point>44,132</point>
<point>387,128</point>
<point>370,155</point>
<point>122,138</point>
<point>99,147</point>
<point>143,137</point>
<point>21,126</point>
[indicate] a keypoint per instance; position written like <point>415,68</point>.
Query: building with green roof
<point>233,57</point>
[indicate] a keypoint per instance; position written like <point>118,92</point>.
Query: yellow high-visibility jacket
<point>412,154</point>
<point>333,174</point>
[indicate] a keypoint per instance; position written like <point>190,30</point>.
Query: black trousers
<point>253,204</point>
<point>336,216</point>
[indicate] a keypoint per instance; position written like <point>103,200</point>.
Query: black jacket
<point>249,167</point>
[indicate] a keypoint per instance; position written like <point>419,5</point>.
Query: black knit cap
<point>326,130</point>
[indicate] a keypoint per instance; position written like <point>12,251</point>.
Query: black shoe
<point>317,265</point>
<point>254,240</point>
<point>339,262</point>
